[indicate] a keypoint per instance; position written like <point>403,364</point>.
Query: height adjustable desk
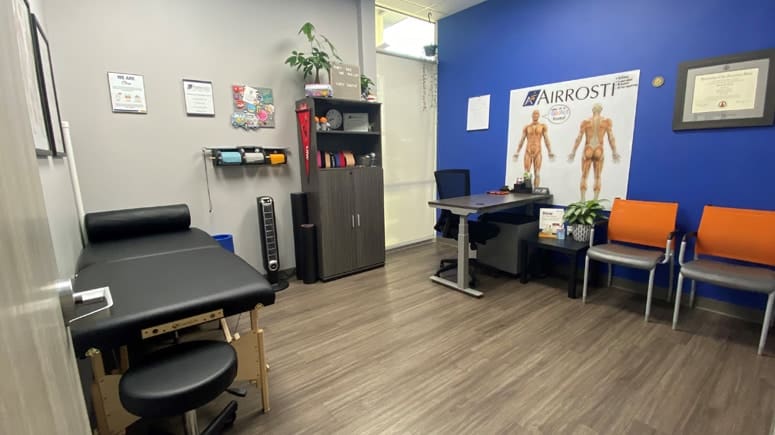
<point>463,206</point>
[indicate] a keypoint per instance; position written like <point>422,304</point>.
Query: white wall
<point>58,195</point>
<point>127,160</point>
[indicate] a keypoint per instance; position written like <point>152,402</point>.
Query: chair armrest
<point>686,237</point>
<point>669,245</point>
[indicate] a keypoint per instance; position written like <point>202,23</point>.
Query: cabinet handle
<point>359,220</point>
<point>353,220</point>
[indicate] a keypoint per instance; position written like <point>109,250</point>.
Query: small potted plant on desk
<point>581,216</point>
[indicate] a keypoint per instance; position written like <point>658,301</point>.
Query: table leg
<point>462,253</point>
<point>462,263</point>
<point>523,262</point>
<point>573,275</point>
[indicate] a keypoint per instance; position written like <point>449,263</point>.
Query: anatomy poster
<point>574,137</point>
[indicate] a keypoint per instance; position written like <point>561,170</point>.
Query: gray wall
<point>127,160</point>
<point>58,195</point>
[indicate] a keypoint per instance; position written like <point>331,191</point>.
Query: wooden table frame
<point>111,416</point>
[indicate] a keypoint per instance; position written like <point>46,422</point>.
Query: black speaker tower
<point>267,226</point>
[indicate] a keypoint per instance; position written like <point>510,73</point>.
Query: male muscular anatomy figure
<point>533,132</point>
<point>594,128</point>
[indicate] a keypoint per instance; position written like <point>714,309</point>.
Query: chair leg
<point>678,291</point>
<point>586,279</point>
<point>610,274</point>
<point>445,269</point>
<point>649,293</point>
<point>192,426</point>
<point>672,274</point>
<point>224,420</point>
<point>691,295</point>
<point>765,325</point>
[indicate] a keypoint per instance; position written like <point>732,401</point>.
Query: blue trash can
<point>225,240</point>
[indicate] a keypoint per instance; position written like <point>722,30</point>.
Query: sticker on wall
<point>253,107</point>
<point>574,137</point>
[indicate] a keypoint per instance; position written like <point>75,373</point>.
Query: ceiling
<point>420,8</point>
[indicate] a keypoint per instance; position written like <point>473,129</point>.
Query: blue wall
<point>501,45</point>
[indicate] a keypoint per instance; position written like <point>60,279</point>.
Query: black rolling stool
<point>179,379</point>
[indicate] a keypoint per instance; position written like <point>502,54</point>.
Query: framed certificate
<point>727,91</point>
<point>199,97</point>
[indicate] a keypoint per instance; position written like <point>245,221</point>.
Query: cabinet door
<point>370,216</point>
<point>336,235</point>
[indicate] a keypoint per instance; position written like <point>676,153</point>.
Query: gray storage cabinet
<point>502,252</point>
<point>345,204</point>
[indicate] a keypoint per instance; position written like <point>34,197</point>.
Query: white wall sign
<point>199,97</point>
<point>478,113</point>
<point>127,93</point>
<point>585,127</point>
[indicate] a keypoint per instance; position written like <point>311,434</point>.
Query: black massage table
<point>163,276</point>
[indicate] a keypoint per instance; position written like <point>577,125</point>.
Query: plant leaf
<point>333,49</point>
<point>308,30</point>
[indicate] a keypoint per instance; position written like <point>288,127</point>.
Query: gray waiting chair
<point>646,224</point>
<point>736,234</point>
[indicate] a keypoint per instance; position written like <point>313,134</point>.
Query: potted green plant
<point>366,84</point>
<point>581,216</point>
<point>318,58</point>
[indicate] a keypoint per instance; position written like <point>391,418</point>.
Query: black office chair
<point>451,183</point>
<point>179,379</point>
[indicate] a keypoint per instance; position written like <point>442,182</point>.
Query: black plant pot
<point>430,50</point>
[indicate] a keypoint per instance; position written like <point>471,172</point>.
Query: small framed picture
<point>727,91</point>
<point>127,93</point>
<point>48,90</point>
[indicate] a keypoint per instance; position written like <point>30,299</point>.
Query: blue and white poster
<point>574,137</point>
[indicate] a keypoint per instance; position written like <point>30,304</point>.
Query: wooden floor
<point>387,351</point>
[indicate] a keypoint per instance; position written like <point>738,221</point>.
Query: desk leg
<point>462,263</point>
<point>573,258</point>
<point>523,262</point>
<point>462,253</point>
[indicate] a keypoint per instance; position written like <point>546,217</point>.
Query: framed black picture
<point>48,90</point>
<point>726,91</point>
<point>21,16</point>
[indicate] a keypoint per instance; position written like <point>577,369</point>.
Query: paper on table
<point>479,113</point>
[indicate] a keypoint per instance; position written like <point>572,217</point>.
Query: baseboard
<point>412,244</point>
<point>287,274</point>
<point>700,303</point>
<point>446,241</point>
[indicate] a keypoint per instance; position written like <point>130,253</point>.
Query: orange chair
<point>737,234</point>
<point>646,224</point>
